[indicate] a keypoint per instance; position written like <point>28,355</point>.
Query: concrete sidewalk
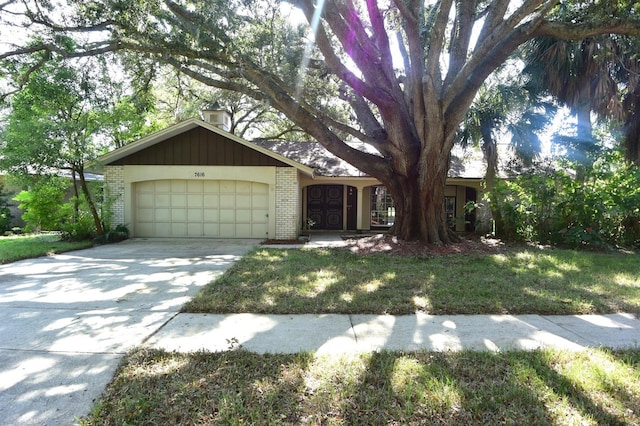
<point>336,334</point>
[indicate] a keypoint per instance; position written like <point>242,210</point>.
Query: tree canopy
<point>63,117</point>
<point>598,75</point>
<point>51,127</point>
<point>398,75</point>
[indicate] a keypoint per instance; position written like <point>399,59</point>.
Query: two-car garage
<point>201,208</point>
<point>194,180</point>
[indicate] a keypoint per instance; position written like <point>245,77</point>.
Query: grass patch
<point>521,281</point>
<point>34,245</point>
<point>541,387</point>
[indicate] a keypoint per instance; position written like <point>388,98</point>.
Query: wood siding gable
<point>198,147</point>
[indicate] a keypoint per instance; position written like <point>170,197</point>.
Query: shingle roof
<point>314,155</point>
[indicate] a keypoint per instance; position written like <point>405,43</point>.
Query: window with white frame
<point>383,211</point>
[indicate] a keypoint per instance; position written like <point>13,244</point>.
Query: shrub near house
<point>48,206</point>
<point>550,206</point>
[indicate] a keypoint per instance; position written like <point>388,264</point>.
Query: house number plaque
<point>198,174</point>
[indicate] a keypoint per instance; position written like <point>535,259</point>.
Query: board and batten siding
<point>198,147</point>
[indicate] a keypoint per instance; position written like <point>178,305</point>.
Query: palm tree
<point>597,74</point>
<point>487,114</point>
<point>501,107</point>
<point>631,127</point>
<point>628,73</point>
<point>564,69</point>
<point>505,107</point>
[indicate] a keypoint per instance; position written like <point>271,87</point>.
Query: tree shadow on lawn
<point>154,387</point>
<point>573,282</point>
<point>334,281</point>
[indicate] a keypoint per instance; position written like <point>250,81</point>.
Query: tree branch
<point>412,14</point>
<point>335,64</point>
<point>212,82</point>
<point>453,113</point>
<point>314,125</point>
<point>494,15</point>
<point>436,44</point>
<point>382,42</point>
<point>486,48</point>
<point>460,37</point>
<point>571,31</point>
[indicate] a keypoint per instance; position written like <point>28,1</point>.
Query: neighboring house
<point>12,189</point>
<point>194,179</point>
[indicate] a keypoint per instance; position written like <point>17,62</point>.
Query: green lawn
<point>34,245</point>
<point>519,281</point>
<point>592,387</point>
<point>597,387</point>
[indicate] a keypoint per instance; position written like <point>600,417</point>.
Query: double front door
<point>326,206</point>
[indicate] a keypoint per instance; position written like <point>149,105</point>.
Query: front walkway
<point>320,240</point>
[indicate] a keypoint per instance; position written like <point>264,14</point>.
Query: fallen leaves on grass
<point>388,244</point>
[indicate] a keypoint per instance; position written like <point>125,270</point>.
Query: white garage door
<point>201,208</point>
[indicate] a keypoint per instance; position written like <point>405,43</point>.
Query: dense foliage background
<point>550,205</point>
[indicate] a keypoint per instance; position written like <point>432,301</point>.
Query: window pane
<point>383,212</point>
<point>450,210</point>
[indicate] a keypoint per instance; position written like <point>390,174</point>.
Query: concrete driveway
<point>66,320</point>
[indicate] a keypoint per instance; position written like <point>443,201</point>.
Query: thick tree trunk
<point>420,211</point>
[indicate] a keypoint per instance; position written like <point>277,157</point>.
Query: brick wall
<point>114,189</point>
<point>287,203</point>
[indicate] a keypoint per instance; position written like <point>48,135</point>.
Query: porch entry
<point>328,206</point>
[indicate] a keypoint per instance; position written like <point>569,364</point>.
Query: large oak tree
<point>406,70</point>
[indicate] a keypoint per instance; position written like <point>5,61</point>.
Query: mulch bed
<point>387,244</point>
<point>282,242</point>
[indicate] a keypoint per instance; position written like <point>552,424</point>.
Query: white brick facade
<point>287,203</point>
<point>114,189</point>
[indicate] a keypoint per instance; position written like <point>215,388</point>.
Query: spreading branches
<point>580,31</point>
<point>460,37</point>
<point>336,78</point>
<point>436,42</point>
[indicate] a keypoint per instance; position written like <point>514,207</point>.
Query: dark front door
<point>352,208</point>
<point>324,206</point>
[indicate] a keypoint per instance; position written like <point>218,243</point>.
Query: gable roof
<point>185,126</point>
<point>310,158</point>
<point>314,155</point>
<point>463,165</point>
